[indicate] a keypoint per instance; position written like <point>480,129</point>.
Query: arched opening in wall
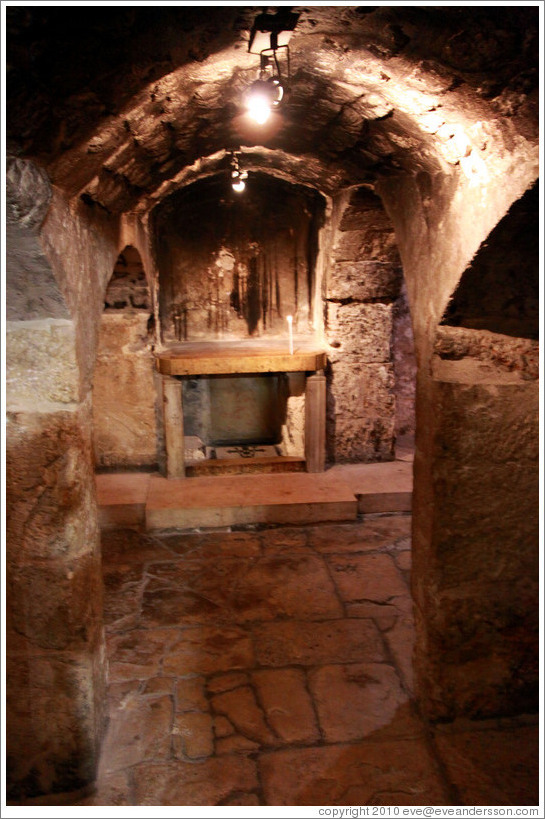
<point>236,272</point>
<point>124,395</point>
<point>485,386</point>
<point>372,365</point>
<point>499,291</point>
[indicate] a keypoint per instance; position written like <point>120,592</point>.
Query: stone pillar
<point>174,426</point>
<point>55,698</point>
<point>315,397</point>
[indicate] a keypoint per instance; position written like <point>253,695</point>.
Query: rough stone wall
<point>481,601</point>
<point>235,265</point>
<point>55,673</point>
<point>124,399</point>
<point>55,641</point>
<point>363,283</point>
<point>404,368</point>
<point>475,514</point>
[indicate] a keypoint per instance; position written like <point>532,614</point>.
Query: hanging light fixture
<point>238,177</point>
<point>270,35</point>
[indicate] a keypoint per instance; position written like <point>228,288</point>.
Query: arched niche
<point>234,265</point>
<point>124,412</point>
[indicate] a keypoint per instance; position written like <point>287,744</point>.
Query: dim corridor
<point>272,666</point>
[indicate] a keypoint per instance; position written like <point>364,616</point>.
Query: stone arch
<point>471,152</point>
<point>499,290</point>
<point>475,501</point>
<point>128,288</point>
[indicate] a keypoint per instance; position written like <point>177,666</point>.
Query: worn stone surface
<point>210,544</point>
<point>53,605</point>
<point>478,638</point>
<point>376,240</point>
<point>404,367</point>
<point>518,356</point>
<point>362,330</point>
<point>228,681</point>
<point>364,280</point>
<point>356,700</point>
<point>342,706</point>
<point>139,730</point>
<point>41,363</point>
<point>369,535</point>
<point>237,592</point>
<point>242,710</point>
<point>287,704</point>
<point>51,508</point>
<point>81,245</point>
<point>70,686</point>
<point>190,695</point>
<point>115,164</point>
<point>193,736</point>
<point>124,411</point>
<point>301,643</point>
<point>138,653</point>
<point>381,773</point>
<point>185,783</point>
<point>123,585</point>
<point>208,649</point>
<point>361,412</point>
<point>366,577</point>
<point>32,291</point>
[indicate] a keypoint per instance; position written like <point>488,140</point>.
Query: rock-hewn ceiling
<point>122,105</point>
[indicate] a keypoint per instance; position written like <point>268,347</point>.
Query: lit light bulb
<point>239,185</point>
<point>263,96</point>
<point>259,107</point>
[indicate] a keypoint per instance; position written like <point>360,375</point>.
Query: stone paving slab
<point>239,590</point>
<point>274,667</point>
<point>372,577</point>
<point>397,772</point>
<point>210,782</point>
<point>314,643</point>
<point>358,700</point>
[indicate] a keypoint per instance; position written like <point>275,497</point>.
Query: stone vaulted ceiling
<point>122,105</point>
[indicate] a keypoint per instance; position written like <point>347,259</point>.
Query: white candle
<point>289,319</point>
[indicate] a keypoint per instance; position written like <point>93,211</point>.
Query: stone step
<point>340,493</point>
<point>382,487</point>
<point>121,498</point>
<point>207,502</point>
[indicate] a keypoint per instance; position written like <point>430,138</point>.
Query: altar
<point>241,358</point>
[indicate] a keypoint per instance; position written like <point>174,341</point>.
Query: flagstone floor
<point>273,667</point>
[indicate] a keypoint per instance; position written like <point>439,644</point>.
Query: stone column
<point>173,417</point>
<point>315,397</point>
